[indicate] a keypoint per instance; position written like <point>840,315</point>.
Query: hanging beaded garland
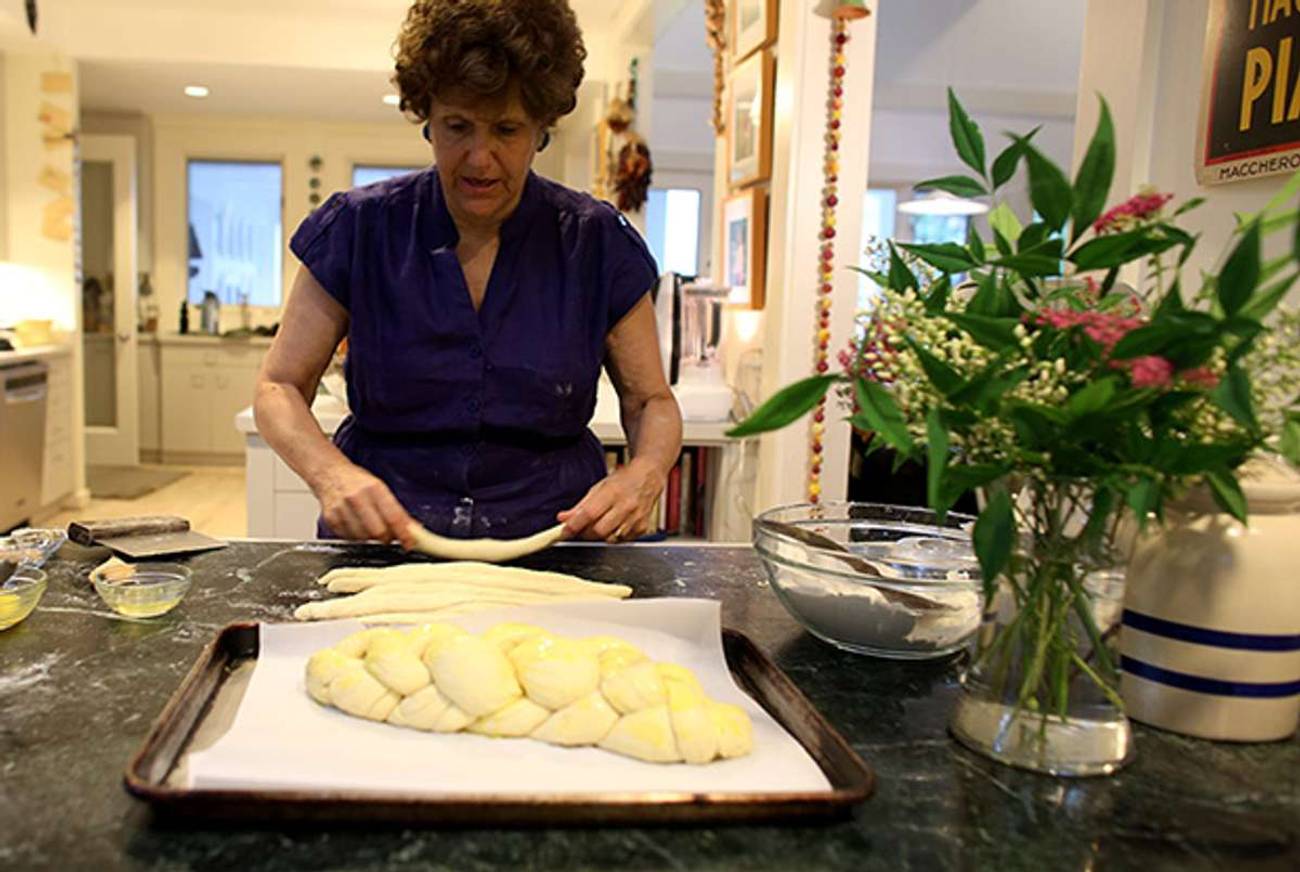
<point>840,17</point>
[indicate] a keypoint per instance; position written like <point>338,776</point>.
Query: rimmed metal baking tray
<point>202,708</point>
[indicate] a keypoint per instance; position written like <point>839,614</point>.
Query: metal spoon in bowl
<point>859,564</point>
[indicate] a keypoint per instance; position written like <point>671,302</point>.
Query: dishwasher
<point>22,440</point>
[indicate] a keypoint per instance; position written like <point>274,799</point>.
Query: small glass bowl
<point>141,590</point>
<point>19,594</point>
<point>910,588</point>
<point>31,545</point>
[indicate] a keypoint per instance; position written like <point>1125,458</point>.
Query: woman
<point>480,302</point>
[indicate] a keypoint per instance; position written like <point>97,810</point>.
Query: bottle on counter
<point>210,318</point>
<point>185,317</point>
<point>147,306</point>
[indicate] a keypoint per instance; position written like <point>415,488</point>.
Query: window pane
<point>368,175</point>
<point>236,238</point>
<point>939,228</point>
<point>878,209</point>
<point>672,221</point>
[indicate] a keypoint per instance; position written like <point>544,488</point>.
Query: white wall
<point>177,139</point>
<point>1156,92</point>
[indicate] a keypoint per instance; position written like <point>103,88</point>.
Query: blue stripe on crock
<point>1204,636</point>
<point>1215,686</point>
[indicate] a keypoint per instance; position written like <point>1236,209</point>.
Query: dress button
<point>475,351</point>
<point>473,405</point>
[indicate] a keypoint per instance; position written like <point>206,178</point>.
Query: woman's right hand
<point>357,505</point>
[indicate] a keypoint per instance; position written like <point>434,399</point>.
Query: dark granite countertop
<point>79,688</point>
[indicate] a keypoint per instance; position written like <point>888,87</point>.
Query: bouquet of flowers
<point>1028,370</point>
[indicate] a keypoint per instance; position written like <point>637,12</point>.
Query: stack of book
<point>682,508</point>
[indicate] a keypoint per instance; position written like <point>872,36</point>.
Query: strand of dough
<point>422,592</point>
<point>517,680</point>
<point>426,599</point>
<point>350,579</point>
<point>489,550</point>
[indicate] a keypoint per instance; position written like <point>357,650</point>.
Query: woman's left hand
<point>618,507</point>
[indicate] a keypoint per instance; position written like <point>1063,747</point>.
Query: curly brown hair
<point>486,47</point>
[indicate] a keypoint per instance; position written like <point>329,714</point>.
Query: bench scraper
<point>146,536</point>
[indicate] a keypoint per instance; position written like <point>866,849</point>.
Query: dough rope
<point>423,592</point>
<point>489,550</point>
<point>517,680</point>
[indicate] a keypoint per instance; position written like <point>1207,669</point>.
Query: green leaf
<point>946,379</point>
<point>900,277</point>
<point>1289,442</point>
<point>785,406</point>
<point>958,186</point>
<point>1176,458</point>
<point>1117,249</point>
<point>881,279</point>
<point>962,478</point>
<point>1030,265</point>
<point>994,333</point>
<point>1005,222</point>
<point>1143,498</point>
<point>1227,493</point>
<point>1092,183</point>
<point>1189,206</point>
<point>1033,236</point>
<point>946,256</point>
<point>1093,397</point>
<point>936,438</point>
<point>1170,331</point>
<point>1233,396</point>
<point>994,533</point>
<point>994,298</point>
<point>1099,517</point>
<point>1049,190</point>
<point>937,300</point>
<point>1171,303</point>
<point>966,135</point>
<point>878,413</point>
<point>1004,247</point>
<point>990,385</point>
<point>1240,273</point>
<point>974,244</point>
<point>1285,193</point>
<point>1267,300</point>
<point>1004,165</point>
<point>1036,426</point>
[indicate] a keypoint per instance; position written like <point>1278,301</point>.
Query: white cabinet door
<point>232,393</point>
<point>150,397</point>
<point>58,478</point>
<point>187,404</point>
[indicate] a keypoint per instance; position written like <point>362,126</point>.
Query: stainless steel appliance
<point>22,440</point>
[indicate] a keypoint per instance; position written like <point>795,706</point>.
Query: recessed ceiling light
<point>196,91</point>
<point>392,99</point>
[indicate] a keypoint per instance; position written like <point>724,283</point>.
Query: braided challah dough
<point>516,680</point>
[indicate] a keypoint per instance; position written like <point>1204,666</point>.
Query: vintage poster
<point>1250,100</point>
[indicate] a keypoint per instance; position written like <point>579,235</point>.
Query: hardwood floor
<point>211,497</point>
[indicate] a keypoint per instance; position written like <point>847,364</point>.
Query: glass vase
<point>1041,691</point>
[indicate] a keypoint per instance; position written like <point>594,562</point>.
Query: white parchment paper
<point>282,739</point>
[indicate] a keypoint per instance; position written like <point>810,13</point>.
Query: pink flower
<point>1143,205</point>
<point>1201,377</point>
<point>1104,328</point>
<point>1150,372</point>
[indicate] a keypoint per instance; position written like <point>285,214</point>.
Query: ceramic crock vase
<point>1211,638</point>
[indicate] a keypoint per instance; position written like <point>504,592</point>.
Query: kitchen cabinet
<point>58,477</point>
<point>203,383</point>
<point>149,380</point>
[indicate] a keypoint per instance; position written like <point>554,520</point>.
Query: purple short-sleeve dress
<point>477,421</point>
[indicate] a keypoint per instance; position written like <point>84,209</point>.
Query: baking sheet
<point>282,740</point>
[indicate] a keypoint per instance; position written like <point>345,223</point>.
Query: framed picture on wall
<point>749,120</point>
<point>753,26</point>
<point>744,247</point>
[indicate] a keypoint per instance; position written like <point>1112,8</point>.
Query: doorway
<point>108,299</point>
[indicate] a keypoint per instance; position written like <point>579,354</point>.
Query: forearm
<point>285,421</point>
<point>654,432</point>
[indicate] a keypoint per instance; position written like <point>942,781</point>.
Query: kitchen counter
<point>200,339</point>
<point>35,352</point>
<point>79,688</point>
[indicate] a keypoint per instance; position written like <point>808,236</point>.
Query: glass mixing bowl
<point>21,588</point>
<point>890,581</point>
<point>141,590</point>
